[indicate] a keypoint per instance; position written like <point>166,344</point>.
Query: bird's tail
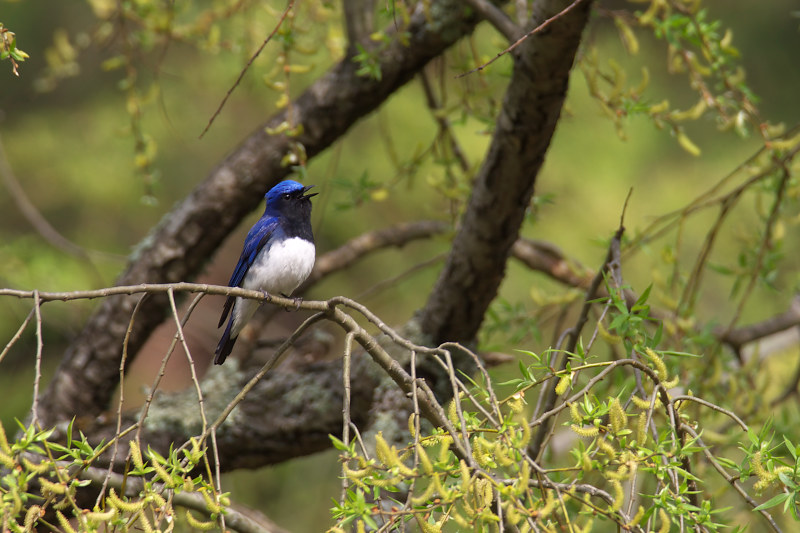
<point>225,344</point>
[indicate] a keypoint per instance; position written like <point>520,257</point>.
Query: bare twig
<point>519,41</point>
<point>17,335</point>
<point>715,407</point>
<point>766,243</point>
<point>37,307</point>
<point>445,128</point>
<point>38,221</point>
<point>289,6</point>
<point>122,362</point>
<point>185,346</point>
<point>346,422</point>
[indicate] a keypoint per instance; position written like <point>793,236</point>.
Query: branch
<point>39,222</point>
<point>522,39</point>
<point>359,22</point>
<point>244,70</point>
<point>398,236</point>
<point>546,258</point>
<point>249,444</point>
<point>536,446</point>
<point>504,185</point>
<point>496,18</point>
<point>737,338</point>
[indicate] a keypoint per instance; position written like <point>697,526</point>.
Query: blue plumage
<point>278,256</point>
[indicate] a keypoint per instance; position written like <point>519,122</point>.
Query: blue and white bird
<point>278,256</point>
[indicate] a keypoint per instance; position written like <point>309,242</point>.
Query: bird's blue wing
<point>256,239</point>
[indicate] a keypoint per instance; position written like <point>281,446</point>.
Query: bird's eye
<point>286,196</point>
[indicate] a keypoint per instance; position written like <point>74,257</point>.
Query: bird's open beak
<point>306,189</point>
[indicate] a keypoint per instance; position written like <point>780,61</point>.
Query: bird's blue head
<point>289,193</point>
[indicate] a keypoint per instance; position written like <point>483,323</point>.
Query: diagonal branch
<point>504,186</point>
<point>496,18</point>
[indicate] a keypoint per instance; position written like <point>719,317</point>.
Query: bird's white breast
<point>281,268</point>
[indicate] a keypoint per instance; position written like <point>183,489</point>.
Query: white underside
<point>279,270</point>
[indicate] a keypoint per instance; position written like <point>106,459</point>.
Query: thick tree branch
<point>187,236</point>
<point>737,338</point>
<point>359,22</point>
<point>504,186</point>
<point>496,18</point>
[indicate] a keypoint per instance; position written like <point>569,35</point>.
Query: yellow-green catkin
<point>617,416</point>
<point>198,524</point>
<point>563,384</point>
<point>587,432</point>
<point>658,362</point>
<point>136,454</point>
<point>665,521</point>
<point>641,429</point>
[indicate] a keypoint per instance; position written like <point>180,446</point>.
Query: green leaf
<point>642,300</point>
<point>339,444</point>
<point>775,500</point>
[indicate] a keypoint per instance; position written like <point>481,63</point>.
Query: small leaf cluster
<point>9,50</point>
<point>41,478</point>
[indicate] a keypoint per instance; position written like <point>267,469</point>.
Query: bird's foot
<point>297,301</point>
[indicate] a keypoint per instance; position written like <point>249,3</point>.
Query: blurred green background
<point>72,151</point>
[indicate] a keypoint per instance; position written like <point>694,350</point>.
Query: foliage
<point>9,50</point>
<point>30,489</point>
<point>647,457</point>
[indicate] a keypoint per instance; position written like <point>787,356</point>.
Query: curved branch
<point>496,18</point>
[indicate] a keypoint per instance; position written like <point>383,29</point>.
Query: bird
<point>278,256</point>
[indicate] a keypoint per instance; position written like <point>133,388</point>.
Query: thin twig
<point>730,479</point>
<point>123,360</point>
<point>451,372</point>
<point>346,421</point>
<point>519,41</point>
<point>39,346</point>
<point>17,335</point>
<point>264,369</point>
<point>163,368</point>
<point>289,6</point>
<point>766,243</point>
<point>445,128</point>
<point>39,222</point>
<point>715,407</point>
<point>574,335</point>
<point>189,358</point>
